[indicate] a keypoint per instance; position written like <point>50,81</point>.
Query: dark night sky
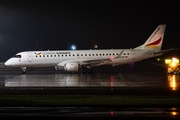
<point>108,23</point>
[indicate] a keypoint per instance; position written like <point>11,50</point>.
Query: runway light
<point>112,113</point>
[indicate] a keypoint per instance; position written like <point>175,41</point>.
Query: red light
<point>111,58</point>
<point>112,113</point>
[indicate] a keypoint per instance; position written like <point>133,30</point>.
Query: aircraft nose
<point>7,63</point>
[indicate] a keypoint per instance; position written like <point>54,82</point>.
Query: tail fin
<point>155,40</point>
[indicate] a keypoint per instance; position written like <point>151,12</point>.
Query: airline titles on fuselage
<point>52,53</point>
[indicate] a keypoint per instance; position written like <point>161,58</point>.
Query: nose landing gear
<point>24,70</point>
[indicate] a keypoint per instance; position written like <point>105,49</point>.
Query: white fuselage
<point>59,58</point>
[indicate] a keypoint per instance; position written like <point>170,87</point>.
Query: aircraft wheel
<point>90,71</point>
<point>84,70</point>
<point>24,71</point>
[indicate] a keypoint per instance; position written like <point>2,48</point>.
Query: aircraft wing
<point>84,62</point>
<point>162,51</point>
<point>93,62</point>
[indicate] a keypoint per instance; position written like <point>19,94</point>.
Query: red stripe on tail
<point>155,42</point>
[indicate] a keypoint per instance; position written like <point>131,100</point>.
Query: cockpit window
<point>17,56</point>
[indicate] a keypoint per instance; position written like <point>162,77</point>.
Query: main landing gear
<point>24,70</point>
<point>85,70</point>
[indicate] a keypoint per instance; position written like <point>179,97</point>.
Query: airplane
<point>85,60</point>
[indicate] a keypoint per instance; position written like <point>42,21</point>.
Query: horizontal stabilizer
<point>162,51</point>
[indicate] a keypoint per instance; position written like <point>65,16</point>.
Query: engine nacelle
<point>71,67</point>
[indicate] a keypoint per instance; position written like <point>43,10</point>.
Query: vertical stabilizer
<point>155,40</point>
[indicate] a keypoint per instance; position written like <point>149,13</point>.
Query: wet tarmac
<point>137,79</point>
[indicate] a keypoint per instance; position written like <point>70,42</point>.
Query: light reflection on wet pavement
<point>133,80</point>
<point>90,112</point>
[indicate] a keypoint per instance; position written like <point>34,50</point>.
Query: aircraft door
<point>29,56</point>
<point>133,53</point>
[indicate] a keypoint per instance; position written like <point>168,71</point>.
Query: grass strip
<point>59,100</point>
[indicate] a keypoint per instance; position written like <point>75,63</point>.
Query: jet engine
<point>71,67</point>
